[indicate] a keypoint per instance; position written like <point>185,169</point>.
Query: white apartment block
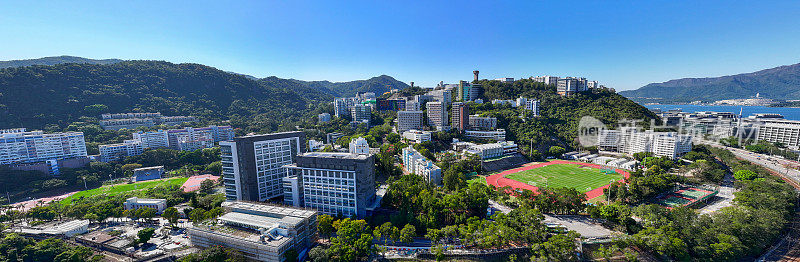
<point>631,141</point>
<point>549,80</point>
<point>533,106</point>
<point>416,163</point>
<point>408,120</point>
<point>505,79</point>
<point>437,114</point>
<point>152,139</point>
<point>114,152</point>
<point>571,85</point>
<point>252,166</point>
<point>359,146</point>
<point>19,146</point>
<point>341,106</point>
<point>417,136</point>
<point>786,132</point>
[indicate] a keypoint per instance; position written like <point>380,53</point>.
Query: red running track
<point>499,179</point>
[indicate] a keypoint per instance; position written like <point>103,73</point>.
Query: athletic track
<point>499,179</point>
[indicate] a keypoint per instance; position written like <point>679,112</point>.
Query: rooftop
<point>334,155</point>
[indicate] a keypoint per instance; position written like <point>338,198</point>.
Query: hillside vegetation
<point>777,83</point>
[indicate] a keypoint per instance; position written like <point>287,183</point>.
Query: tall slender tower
<point>476,74</point>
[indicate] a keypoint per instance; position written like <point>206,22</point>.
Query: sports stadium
<point>585,177</point>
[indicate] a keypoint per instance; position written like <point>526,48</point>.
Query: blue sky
<point>620,44</point>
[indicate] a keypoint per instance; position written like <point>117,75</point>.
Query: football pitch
<point>582,178</point>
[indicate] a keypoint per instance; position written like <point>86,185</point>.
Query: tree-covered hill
<point>559,116</point>
<point>781,82</point>
<point>378,85</point>
<point>54,60</point>
<point>37,96</point>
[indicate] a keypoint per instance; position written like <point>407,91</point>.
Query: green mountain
<point>378,85</point>
<point>55,96</point>
<point>54,60</point>
<point>781,82</point>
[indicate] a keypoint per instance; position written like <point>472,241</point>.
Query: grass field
<point>122,188</point>
<point>565,175</point>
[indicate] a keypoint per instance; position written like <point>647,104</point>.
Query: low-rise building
<point>114,152</point>
<point>359,146</point>
<point>134,203</point>
<point>417,136</point>
<point>260,232</point>
<point>416,163</point>
<point>484,123</point>
<point>497,135</point>
<point>493,150</point>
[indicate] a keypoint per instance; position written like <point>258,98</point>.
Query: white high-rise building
<point>437,114</point>
<point>786,132</point>
<point>152,139</point>
<point>20,146</point>
<point>416,163</point>
<point>412,105</point>
<point>359,146</point>
<point>342,106</point>
<point>114,152</point>
<point>444,96</point>
<point>533,106</point>
<point>408,120</point>
<point>631,141</point>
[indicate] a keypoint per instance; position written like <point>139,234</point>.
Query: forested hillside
<point>781,82</point>
<point>559,116</point>
<point>54,60</point>
<point>378,85</point>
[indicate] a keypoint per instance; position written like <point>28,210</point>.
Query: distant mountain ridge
<point>781,82</point>
<point>55,60</point>
<point>378,85</point>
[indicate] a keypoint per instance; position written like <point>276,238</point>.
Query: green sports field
<point>565,175</point>
<point>122,188</point>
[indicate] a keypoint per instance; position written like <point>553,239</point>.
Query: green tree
<point>408,233</point>
<point>145,234</point>
<point>207,186</point>
<point>325,225</point>
<point>197,215</point>
<point>352,241</point>
<point>744,175</point>
<point>556,151</point>
<point>171,214</point>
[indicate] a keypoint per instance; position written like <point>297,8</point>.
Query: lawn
<point>565,175</point>
<point>122,188</point>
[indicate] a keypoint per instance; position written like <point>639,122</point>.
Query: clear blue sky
<point>621,44</point>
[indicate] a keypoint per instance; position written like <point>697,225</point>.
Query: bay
<point>790,113</point>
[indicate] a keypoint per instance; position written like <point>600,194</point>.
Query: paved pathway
<point>499,179</point>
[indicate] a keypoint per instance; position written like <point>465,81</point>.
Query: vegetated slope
<point>37,96</point>
<point>378,85</point>
<point>559,116</point>
<point>54,60</point>
<point>781,82</point>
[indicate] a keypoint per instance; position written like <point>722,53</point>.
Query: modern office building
<point>134,203</point>
<point>21,147</point>
<point>359,146</point>
<point>782,131</point>
<point>252,166</point>
<point>437,114</point>
<point>191,139</point>
<point>417,136</point>
<point>460,115</point>
<point>571,85</point>
<point>477,122</point>
<point>408,120</point>
<point>361,113</point>
<point>468,91</point>
<point>416,163</point>
<point>260,232</point>
<point>114,152</point>
<point>332,183</point>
